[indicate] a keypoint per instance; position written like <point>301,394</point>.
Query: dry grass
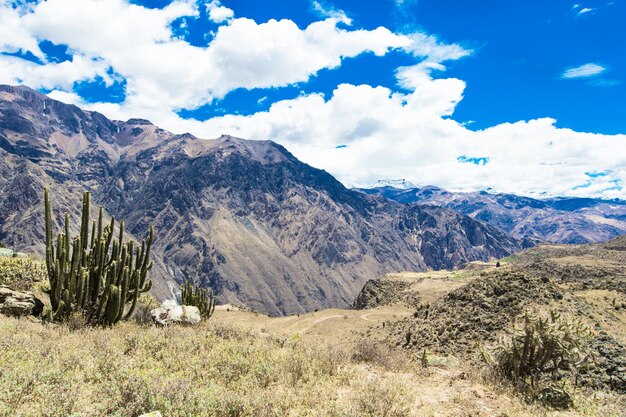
<point>221,370</point>
<point>208,371</point>
<point>326,363</point>
<point>609,309</point>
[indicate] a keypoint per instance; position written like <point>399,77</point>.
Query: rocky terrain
<point>557,220</point>
<point>244,217</point>
<point>581,281</point>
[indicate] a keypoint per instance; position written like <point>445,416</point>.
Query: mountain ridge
<point>244,217</point>
<point>556,219</point>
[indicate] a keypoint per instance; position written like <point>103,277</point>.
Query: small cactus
<point>193,295</point>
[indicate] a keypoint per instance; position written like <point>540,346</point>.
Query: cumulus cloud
<point>160,69</point>
<point>363,134</point>
<point>360,133</point>
<point>14,70</point>
<point>583,71</point>
<point>219,13</point>
<point>15,36</point>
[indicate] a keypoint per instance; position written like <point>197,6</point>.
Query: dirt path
<point>366,317</point>
<point>336,316</point>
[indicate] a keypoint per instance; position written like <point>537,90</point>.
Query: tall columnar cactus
<point>95,274</point>
<point>192,295</point>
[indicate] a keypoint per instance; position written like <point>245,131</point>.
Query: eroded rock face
<point>19,304</point>
<point>247,218</point>
<point>172,313</point>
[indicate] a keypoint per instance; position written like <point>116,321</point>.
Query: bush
<point>21,274</point>
<point>376,397</point>
<point>543,355</point>
<point>145,304</point>
<point>378,353</point>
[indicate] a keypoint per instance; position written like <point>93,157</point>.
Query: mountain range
<point>557,220</point>
<point>244,217</point>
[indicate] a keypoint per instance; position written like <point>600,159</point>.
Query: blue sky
<point>517,97</point>
<point>522,50</point>
<point>515,73</point>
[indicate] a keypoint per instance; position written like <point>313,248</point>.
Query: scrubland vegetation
<point>419,356</point>
<point>21,273</point>
<point>181,371</point>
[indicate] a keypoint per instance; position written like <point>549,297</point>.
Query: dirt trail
<point>336,316</point>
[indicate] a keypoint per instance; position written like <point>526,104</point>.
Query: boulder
<point>171,312</point>
<point>17,304</point>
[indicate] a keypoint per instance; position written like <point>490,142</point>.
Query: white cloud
<point>277,53</point>
<point>328,12</point>
<point>138,44</point>
<point>584,10</point>
<point>67,97</point>
<point>219,13</point>
<point>429,47</point>
<point>583,71</point>
<point>392,135</point>
<point>62,75</point>
<point>386,134</point>
<point>15,36</point>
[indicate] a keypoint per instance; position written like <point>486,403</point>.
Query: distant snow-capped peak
<point>401,184</point>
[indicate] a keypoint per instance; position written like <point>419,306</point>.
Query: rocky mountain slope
<point>452,313</point>
<point>557,220</point>
<point>244,217</point>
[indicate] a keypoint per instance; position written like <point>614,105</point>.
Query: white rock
<point>170,312</point>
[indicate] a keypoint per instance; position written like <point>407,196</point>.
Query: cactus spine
<point>192,295</point>
<point>96,275</point>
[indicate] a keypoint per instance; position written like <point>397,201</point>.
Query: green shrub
<point>145,304</point>
<point>21,274</point>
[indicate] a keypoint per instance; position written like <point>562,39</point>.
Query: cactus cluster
<point>542,354</point>
<point>192,295</point>
<point>95,274</point>
<point>543,346</point>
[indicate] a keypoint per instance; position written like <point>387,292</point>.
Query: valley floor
<point>348,363</point>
